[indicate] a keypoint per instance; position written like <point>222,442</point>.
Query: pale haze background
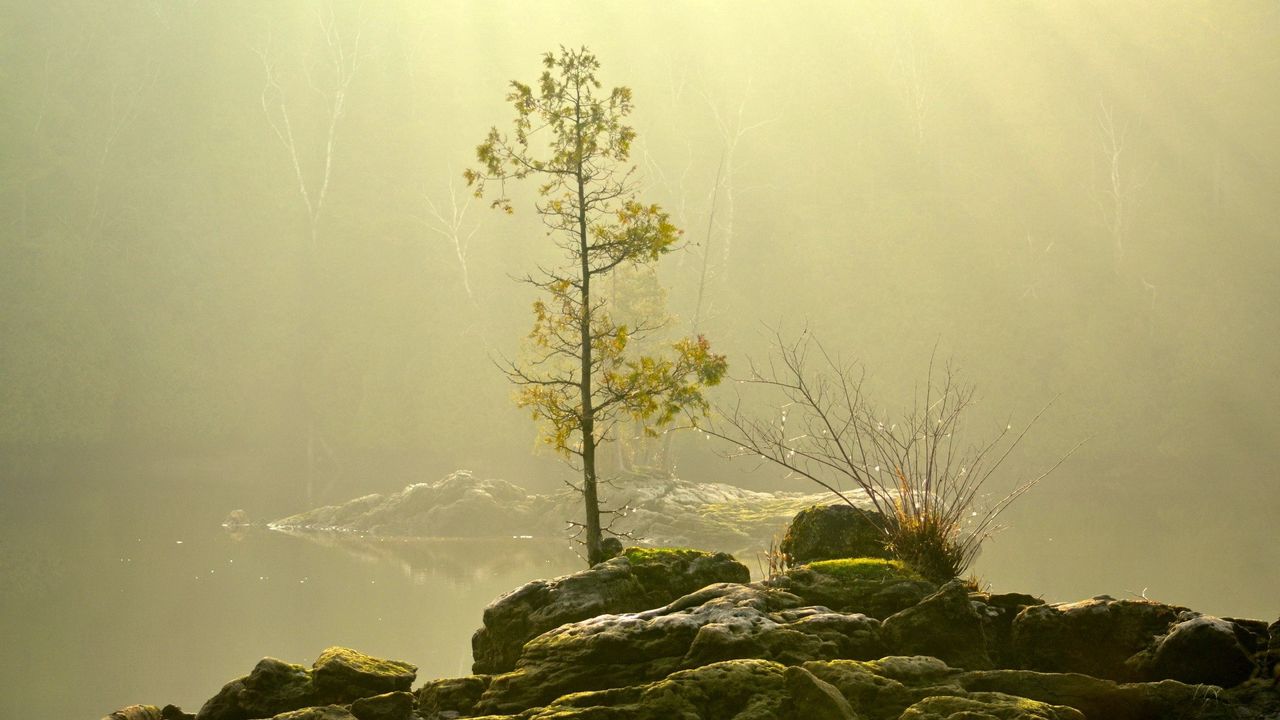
<point>235,237</point>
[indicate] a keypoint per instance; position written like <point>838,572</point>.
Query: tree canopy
<point>580,375</point>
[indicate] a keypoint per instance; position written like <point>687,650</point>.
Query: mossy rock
<point>638,579</point>
<point>717,623</point>
<point>735,689</point>
<point>865,568</point>
<point>875,587</point>
<point>828,532</point>
<point>342,675</point>
<point>667,573</point>
<point>740,689</point>
<point>272,687</point>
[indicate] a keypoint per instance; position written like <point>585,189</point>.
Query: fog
<point>239,261</point>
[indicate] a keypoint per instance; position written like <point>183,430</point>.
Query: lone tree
<point>579,379</point>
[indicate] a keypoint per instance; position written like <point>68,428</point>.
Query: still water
<point>126,593</point>
<point>118,586</point>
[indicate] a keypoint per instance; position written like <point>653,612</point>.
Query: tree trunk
<point>591,500</point>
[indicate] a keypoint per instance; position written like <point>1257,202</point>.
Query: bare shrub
<point>915,469</point>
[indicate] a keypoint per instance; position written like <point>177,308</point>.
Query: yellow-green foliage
<point>864,569</point>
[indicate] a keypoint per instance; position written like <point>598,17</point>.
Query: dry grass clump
<point>913,468</point>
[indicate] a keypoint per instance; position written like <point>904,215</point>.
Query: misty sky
<point>239,228</point>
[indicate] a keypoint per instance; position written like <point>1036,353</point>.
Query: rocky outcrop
<point>457,506</point>
<point>720,622</point>
<point>638,579</point>
<point>1095,636</point>
<point>892,688</point>
<point>871,586</point>
<point>651,634</point>
<point>832,532</point>
<point>733,650</point>
<point>947,646</point>
<point>659,512</point>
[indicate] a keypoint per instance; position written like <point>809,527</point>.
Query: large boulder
<point>638,579</point>
<point>1201,649</point>
<point>945,625</point>
<point>831,532</point>
<point>272,687</point>
<point>720,622</point>
<point>871,586</point>
<point>342,675</point>
<point>1095,637</point>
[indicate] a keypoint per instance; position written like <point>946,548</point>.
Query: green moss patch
<point>638,555</point>
<point>864,569</point>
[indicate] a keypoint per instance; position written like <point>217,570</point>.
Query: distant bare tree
<point>732,128</point>
<point>450,223</point>
<point>912,70</point>
<point>343,56</point>
<point>341,59</point>
<point>1121,183</point>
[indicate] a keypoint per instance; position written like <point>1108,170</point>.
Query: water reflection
<point>98,622</point>
<point>459,561</point>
